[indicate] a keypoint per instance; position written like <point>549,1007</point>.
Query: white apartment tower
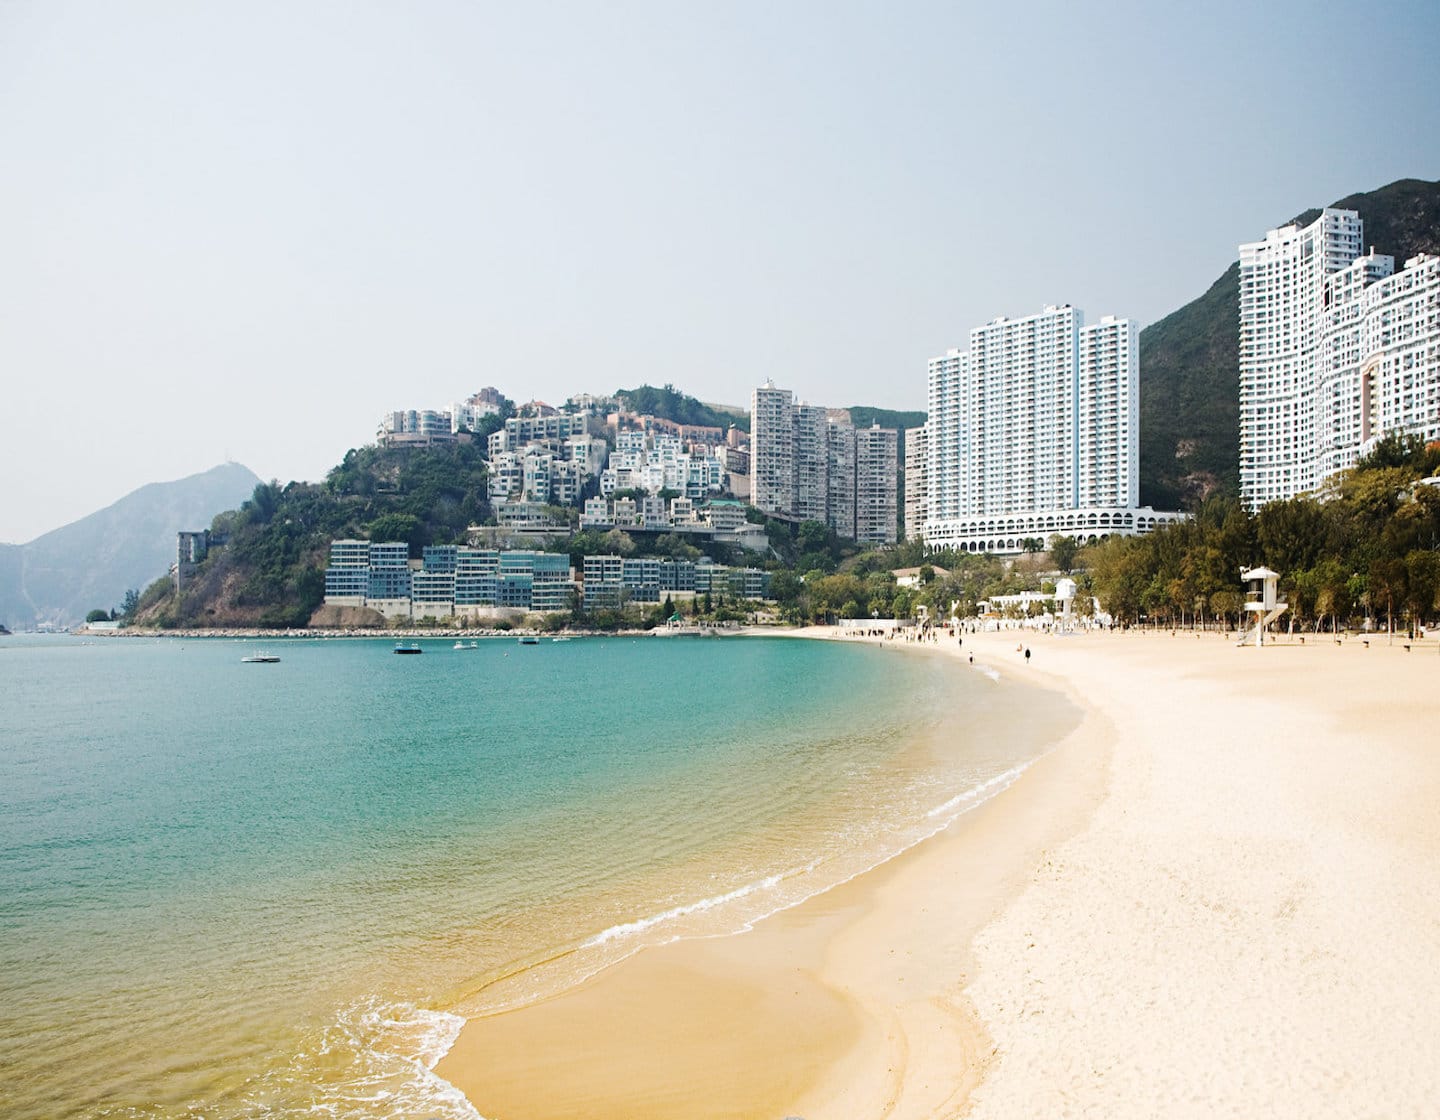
<point>1336,351</point>
<point>1107,404</point>
<point>772,450</point>
<point>1034,432</point>
<point>1282,282</point>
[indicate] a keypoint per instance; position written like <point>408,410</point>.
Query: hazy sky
<point>245,230</point>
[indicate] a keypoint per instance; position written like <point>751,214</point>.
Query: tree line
<point>1367,546</point>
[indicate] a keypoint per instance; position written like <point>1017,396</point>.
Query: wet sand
<point>1219,895</point>
<point>827,1008</point>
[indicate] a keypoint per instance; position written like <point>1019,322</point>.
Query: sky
<point>243,231</point>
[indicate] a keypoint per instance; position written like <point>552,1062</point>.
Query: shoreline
<point>1219,893</point>
<point>660,1033</point>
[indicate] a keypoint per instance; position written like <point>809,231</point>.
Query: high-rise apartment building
<point>1336,351</point>
<point>876,484</point>
<point>772,450</point>
<point>805,466</point>
<point>1107,405</point>
<point>917,497</point>
<point>810,440</point>
<point>1282,280</point>
<point>841,466</point>
<point>1033,432</point>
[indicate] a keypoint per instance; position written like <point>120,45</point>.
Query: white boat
<point>259,657</point>
<point>529,639</point>
<point>562,638</point>
<point>467,645</point>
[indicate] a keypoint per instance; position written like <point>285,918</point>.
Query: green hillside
<point>863,416</point>
<point>1189,360</point>
<point>268,569</point>
<point>669,403</point>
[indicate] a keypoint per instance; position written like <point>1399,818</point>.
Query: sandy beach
<point>1217,896</point>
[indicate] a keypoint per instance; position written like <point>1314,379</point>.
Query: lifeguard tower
<point>1262,602</point>
<point>1065,589</point>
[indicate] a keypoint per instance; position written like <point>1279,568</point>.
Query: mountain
<point>1190,361</point>
<point>57,578</point>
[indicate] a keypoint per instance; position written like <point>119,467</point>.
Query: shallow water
<point>236,890</point>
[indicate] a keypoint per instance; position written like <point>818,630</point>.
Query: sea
<point>271,890</point>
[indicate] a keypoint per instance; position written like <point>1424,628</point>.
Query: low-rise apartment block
<point>449,580</point>
<point>723,521</point>
<point>658,461</point>
<point>611,581</point>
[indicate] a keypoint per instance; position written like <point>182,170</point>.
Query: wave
<point>623,940</point>
<point>376,1060</point>
<point>950,810</point>
<point>990,786</point>
<point>625,929</point>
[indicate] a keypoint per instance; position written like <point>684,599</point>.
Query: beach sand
<point>1219,895</point>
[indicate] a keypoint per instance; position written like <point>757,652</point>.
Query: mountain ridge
<point>59,576</point>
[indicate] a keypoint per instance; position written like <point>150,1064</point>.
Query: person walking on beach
<point>1027,655</point>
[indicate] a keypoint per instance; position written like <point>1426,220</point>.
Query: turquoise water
<point>235,890</point>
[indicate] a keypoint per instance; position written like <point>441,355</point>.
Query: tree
<point>1394,450</point>
<point>396,527</point>
<point>98,615</point>
<point>131,603</point>
<point>263,502</point>
<point>1291,534</point>
<point>1062,552</point>
<point>617,542</point>
<point>1227,604</point>
<point>1120,568</point>
<point>1388,586</point>
<point>1422,583</point>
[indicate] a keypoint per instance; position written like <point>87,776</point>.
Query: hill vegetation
<point>863,416</point>
<point>1189,360</point>
<point>266,567</point>
<point>669,403</point>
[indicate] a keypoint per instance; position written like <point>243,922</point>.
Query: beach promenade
<point>1220,895</point>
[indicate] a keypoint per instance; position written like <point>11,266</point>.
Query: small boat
<point>408,647</point>
<point>260,658</point>
<point>467,645</point>
<point>562,638</point>
<point>529,639</point>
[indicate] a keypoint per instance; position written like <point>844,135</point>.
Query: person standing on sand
<point>1027,655</point>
